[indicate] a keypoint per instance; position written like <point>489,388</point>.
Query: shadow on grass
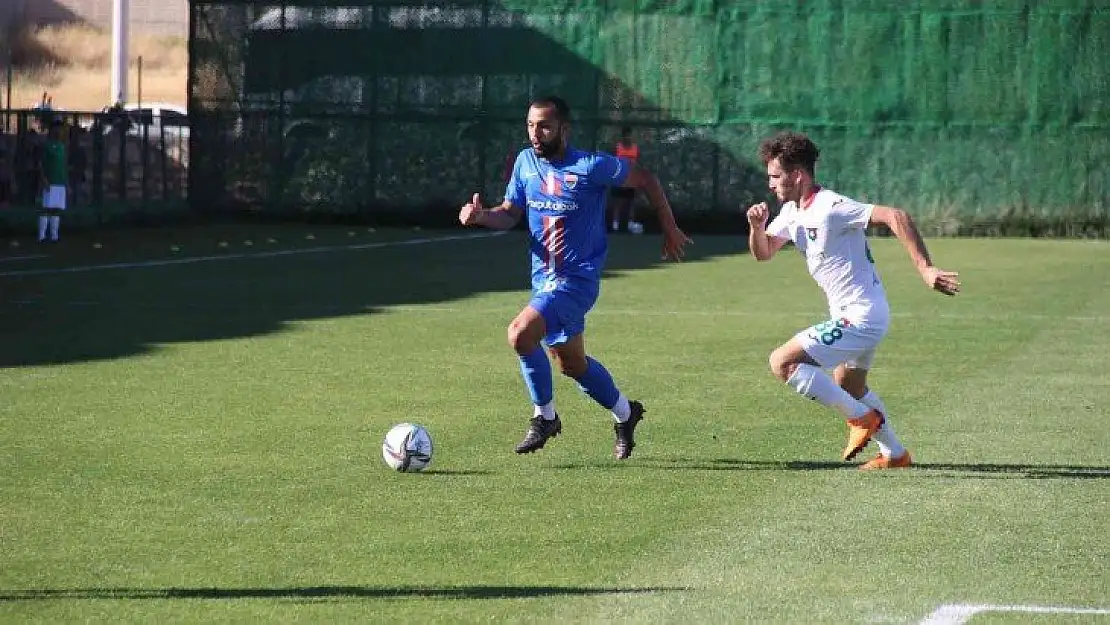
<point>714,464</point>
<point>984,470</point>
<point>325,592</point>
<point>452,472</point>
<point>58,311</point>
<point>1020,471</point>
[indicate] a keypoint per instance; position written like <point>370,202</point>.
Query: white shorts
<point>54,197</point>
<point>838,341</point>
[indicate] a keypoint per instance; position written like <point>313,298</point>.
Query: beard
<point>549,149</point>
<point>791,193</point>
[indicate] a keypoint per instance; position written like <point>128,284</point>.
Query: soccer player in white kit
<point>829,231</point>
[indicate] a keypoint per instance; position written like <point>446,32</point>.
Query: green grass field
<point>194,436</point>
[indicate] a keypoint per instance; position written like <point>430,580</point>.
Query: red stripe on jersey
<point>554,242</point>
<point>551,184</point>
<point>558,242</point>
<point>543,241</point>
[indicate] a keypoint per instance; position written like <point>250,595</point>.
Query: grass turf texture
<point>201,442</point>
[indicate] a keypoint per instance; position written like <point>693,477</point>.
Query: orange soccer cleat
<point>860,431</point>
<point>882,462</point>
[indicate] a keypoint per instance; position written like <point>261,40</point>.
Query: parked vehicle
<point>154,120</point>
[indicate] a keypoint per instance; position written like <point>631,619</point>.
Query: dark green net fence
<point>969,113</point>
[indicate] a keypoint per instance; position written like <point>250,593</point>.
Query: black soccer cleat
<point>538,432</point>
<point>625,440</point>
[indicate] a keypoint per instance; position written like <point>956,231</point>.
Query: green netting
<point>962,111</point>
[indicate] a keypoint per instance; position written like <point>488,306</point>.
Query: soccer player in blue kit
<point>563,191</point>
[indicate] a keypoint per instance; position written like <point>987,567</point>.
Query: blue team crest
<point>570,180</point>
<point>811,234</point>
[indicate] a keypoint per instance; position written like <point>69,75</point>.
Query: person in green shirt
<point>54,173</point>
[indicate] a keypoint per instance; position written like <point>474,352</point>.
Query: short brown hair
<point>793,149</point>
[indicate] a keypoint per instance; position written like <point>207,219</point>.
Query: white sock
<point>43,220</point>
<point>622,411</point>
<point>616,225</point>
<point>547,411</point>
<point>815,384</point>
<point>55,223</point>
<point>888,442</point>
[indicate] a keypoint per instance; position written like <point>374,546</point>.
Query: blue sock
<point>599,385</point>
<point>536,369</point>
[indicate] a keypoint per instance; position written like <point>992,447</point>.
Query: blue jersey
<point>565,204</point>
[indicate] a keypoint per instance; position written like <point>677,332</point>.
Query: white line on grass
<point>816,315</point>
<point>512,310</point>
<point>207,259</point>
<point>959,613</point>
<point>7,259</point>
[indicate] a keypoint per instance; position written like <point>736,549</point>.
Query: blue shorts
<point>564,306</point>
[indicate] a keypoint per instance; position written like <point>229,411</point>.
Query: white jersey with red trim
<point>829,229</point>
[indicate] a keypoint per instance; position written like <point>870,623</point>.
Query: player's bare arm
<point>674,239</point>
<point>762,245</point>
<point>902,225</point>
<point>501,217</point>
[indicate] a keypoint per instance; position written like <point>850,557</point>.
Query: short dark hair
<point>793,149</point>
<point>562,109</point>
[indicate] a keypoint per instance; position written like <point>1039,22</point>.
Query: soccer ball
<point>407,448</point>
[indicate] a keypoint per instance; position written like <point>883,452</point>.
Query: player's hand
<point>674,239</point>
<point>471,212</point>
<point>757,215</point>
<point>947,282</point>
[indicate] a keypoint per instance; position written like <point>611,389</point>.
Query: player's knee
<point>516,338</point>
<point>855,387</point>
<point>782,366</point>
<point>520,338</point>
